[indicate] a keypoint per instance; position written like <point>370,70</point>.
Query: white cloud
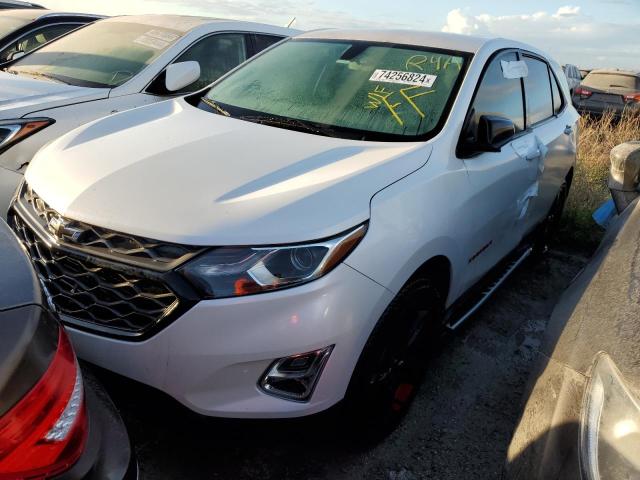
<point>567,11</point>
<point>459,22</point>
<point>568,34</point>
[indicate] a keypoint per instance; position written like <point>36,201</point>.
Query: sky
<point>587,33</point>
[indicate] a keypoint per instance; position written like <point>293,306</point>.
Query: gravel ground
<point>458,427</point>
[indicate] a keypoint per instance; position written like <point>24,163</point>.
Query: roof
<point>615,71</point>
<point>448,41</point>
<point>36,14</point>
<point>186,23</point>
<point>183,23</point>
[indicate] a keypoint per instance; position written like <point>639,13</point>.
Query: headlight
<point>13,131</point>
<point>610,426</point>
<point>236,271</point>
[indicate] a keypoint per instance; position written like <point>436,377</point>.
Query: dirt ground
<point>458,427</point>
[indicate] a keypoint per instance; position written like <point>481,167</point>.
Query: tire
<point>391,366</point>
<point>550,225</point>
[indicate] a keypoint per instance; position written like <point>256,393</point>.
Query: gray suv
<point>608,90</point>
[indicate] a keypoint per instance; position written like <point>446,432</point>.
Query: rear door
<point>552,137</point>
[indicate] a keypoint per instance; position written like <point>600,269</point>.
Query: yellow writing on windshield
<point>416,61</point>
<point>380,96</point>
<point>405,92</point>
<point>419,62</point>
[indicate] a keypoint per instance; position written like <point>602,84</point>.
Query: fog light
<point>295,377</point>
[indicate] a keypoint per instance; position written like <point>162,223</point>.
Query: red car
<point>54,422</point>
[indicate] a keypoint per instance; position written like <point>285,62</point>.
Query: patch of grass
<point>589,189</point>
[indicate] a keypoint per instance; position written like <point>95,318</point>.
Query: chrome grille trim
<point>110,294</point>
<point>99,241</point>
<point>94,296</point>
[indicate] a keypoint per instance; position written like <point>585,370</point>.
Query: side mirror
<point>180,75</point>
<point>493,133</point>
<point>16,55</point>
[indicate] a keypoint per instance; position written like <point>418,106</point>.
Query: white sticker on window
<point>162,35</point>
<point>406,78</point>
<point>511,70</point>
<point>151,42</point>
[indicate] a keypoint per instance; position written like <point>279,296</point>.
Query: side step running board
<point>489,291</point>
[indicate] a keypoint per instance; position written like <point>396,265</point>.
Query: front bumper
<point>212,357</point>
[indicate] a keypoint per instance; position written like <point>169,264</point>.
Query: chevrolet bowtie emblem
<point>63,229</point>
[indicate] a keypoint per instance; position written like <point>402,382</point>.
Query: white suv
<point>292,237</point>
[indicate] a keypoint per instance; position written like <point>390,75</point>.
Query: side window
<point>260,42</point>
<point>216,54</point>
<point>497,96</point>
<point>537,88</point>
<point>558,102</point>
<point>35,39</point>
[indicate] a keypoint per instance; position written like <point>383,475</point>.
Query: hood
<point>173,172</point>
<point>21,95</point>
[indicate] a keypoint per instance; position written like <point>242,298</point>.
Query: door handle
<point>568,130</point>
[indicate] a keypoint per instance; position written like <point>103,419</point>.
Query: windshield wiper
<point>48,76</point>
<point>215,106</point>
<point>291,124</point>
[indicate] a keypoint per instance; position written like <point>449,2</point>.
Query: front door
<point>502,181</point>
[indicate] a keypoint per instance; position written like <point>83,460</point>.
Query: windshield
<point>350,89</point>
<point>104,54</point>
<point>604,81</point>
<point>11,24</point>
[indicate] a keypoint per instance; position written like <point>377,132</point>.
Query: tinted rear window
<point>263,41</point>
<point>604,81</point>
<point>538,91</point>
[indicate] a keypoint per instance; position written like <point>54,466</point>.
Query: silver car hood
<point>21,95</point>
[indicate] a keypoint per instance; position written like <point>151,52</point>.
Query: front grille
<point>101,280</point>
<point>104,298</point>
<point>105,242</point>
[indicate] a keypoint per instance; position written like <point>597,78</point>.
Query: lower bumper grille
<point>101,298</point>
